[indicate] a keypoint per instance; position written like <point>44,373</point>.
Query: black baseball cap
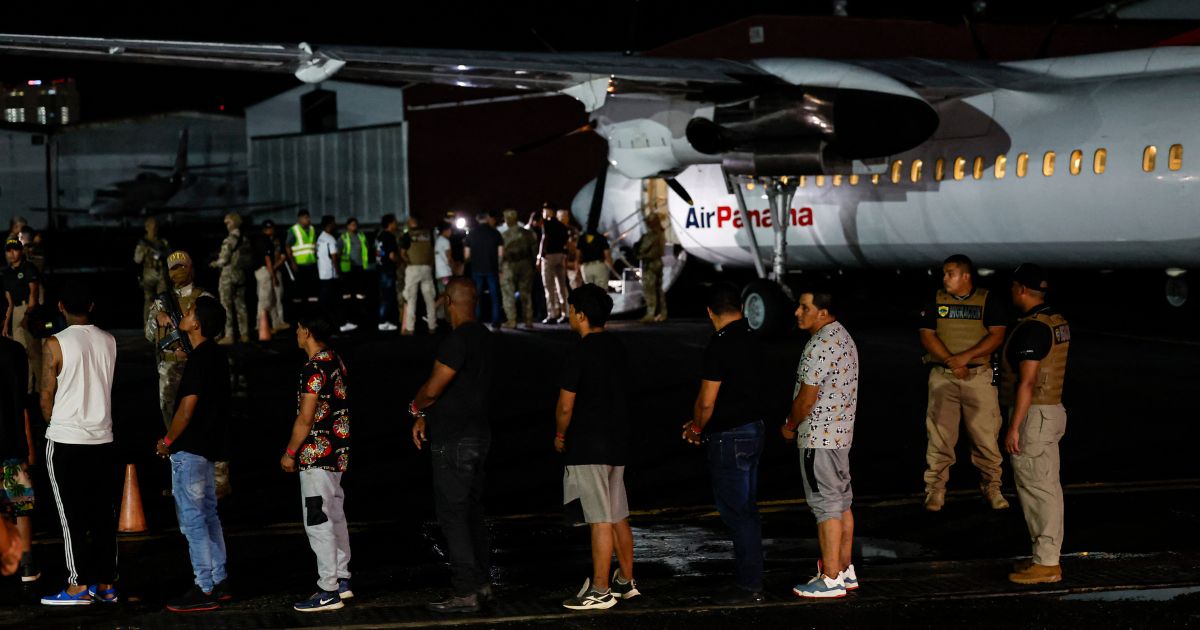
<point>1031,276</point>
<point>13,243</point>
<point>268,223</point>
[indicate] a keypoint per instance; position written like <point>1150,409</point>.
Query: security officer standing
<point>650,249</point>
<point>1031,384</point>
<point>416,252</point>
<point>234,261</point>
<point>960,330</point>
<point>172,358</point>
<point>301,247</point>
<point>516,270</point>
<point>151,252</point>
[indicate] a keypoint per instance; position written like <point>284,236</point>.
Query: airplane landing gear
<point>1177,287</point>
<point>767,302</point>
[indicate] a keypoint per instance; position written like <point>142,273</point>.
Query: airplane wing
<point>245,208</point>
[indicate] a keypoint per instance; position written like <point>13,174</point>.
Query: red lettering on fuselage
<point>727,217</point>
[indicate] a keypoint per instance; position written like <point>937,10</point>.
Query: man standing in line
<point>442,252</point>
<point>16,451</point>
<point>451,412</point>
<point>150,253</point>
<point>353,262</point>
<point>1035,365</point>
<point>234,261</point>
<point>552,258</point>
<point>417,252</point>
<point>320,449</point>
<point>516,272</point>
<point>301,248</point>
<point>266,277</point>
<point>822,424</point>
<point>80,458</point>
<point>650,249</point>
<point>387,251</point>
<point>594,435</point>
<point>196,440</point>
<point>960,331</point>
<point>21,283</point>
<point>729,414</point>
<point>594,258</point>
<point>483,249</point>
<point>327,266</point>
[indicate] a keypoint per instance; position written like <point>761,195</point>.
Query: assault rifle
<point>173,310</point>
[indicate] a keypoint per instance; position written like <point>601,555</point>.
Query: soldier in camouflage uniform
<point>516,270</point>
<point>650,249</point>
<point>150,253</point>
<point>172,359</point>
<point>234,261</point>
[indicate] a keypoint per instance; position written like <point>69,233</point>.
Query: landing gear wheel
<point>767,308</point>
<point>1177,291</point>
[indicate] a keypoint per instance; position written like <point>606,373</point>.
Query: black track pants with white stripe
<point>86,479</point>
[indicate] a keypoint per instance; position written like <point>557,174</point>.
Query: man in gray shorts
<point>593,434</point>
<point>822,423</point>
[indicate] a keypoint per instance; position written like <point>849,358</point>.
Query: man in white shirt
<point>80,458</point>
<point>327,265</point>
<point>441,255</point>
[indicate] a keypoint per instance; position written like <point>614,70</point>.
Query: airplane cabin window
<point>977,168</point>
<point>1076,161</point>
<point>896,166</point>
<point>1022,164</point>
<point>1175,157</point>
<point>1001,164</point>
<point>1048,164</point>
<point>875,178</point>
<point>854,180</point>
<point>1100,161</point>
<point>960,164</point>
<point>915,175</point>
<point>820,181</point>
<point>803,181</point>
<point>1148,158</point>
<point>939,170</point>
<point>837,180</point>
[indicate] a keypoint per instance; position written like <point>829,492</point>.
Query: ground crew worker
<point>172,359</point>
<point>151,252</point>
<point>234,261</point>
<point>353,264</point>
<point>594,258</point>
<point>1034,363</point>
<point>960,330</point>
<point>516,270</point>
<point>301,247</point>
<point>650,249</point>
<point>416,250</point>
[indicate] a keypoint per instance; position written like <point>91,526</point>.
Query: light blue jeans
<point>196,506</point>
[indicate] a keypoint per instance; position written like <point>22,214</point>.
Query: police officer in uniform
<point>172,359</point>
<point>416,251</point>
<point>516,270</point>
<point>1031,385</point>
<point>650,249</point>
<point>960,331</point>
<point>150,252</point>
<point>234,262</point>
<point>301,247</point>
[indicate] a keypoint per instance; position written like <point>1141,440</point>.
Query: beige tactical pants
<point>419,278</point>
<point>554,278</point>
<point>1038,484</point>
<point>596,272</point>
<point>264,284</point>
<point>971,401</point>
<point>32,345</point>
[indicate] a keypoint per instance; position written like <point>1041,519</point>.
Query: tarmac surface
<point>1132,557</point>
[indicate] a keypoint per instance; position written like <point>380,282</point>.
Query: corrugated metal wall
<point>355,172</point>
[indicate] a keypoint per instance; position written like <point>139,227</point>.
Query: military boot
<point>1037,574</point>
<point>934,500</point>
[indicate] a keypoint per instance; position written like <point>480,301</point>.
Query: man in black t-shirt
<point>594,258</point>
<point>483,248</point>
<point>552,261</point>
<point>196,439</point>
<point>387,252</point>
<point>729,414</point>
<point>593,434</point>
<point>451,412</point>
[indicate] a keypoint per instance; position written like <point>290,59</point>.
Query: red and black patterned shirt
<point>328,444</point>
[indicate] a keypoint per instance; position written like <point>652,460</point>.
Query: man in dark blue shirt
<point>483,248</point>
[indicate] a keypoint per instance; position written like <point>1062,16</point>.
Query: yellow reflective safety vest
<point>304,250</point>
<point>345,260</point>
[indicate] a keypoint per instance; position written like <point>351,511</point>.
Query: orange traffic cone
<point>264,326</point>
<point>133,519</point>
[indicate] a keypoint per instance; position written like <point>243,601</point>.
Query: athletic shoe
<point>106,596</point>
<point>622,589</point>
<point>348,326</point>
<point>387,327</point>
<point>344,589</point>
<point>589,598</point>
<point>821,587</point>
<point>194,600</point>
<point>30,573</point>
<point>221,591</point>
<point>849,578</point>
<point>563,320</point>
<point>82,598</point>
<point>464,604</point>
<point>321,600</point>
<point>550,320</point>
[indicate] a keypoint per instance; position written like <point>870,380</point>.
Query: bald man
<point>451,413</point>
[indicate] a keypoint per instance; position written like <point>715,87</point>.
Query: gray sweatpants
<point>325,524</point>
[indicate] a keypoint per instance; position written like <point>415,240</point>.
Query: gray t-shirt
<point>830,361</point>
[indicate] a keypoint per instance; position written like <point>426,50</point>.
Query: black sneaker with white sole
<point>321,600</point>
<point>194,600</point>
<point>588,598</point>
<point>622,589</point>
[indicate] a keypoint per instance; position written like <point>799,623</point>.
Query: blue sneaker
<point>321,600</point>
<point>849,578</point>
<point>344,589</point>
<point>106,596</point>
<point>82,598</point>
<point>821,587</point>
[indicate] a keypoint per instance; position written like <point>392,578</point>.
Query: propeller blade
<point>537,144</point>
<point>593,219</point>
<point>680,190</point>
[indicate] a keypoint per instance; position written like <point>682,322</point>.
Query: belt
<point>971,368</point>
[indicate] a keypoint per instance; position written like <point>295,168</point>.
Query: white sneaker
<point>822,586</point>
<point>849,578</point>
<point>387,327</point>
<point>348,326</point>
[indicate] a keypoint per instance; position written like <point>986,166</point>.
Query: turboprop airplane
<point>1073,162</point>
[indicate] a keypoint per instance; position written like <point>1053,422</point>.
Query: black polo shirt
<point>734,358</point>
<point>592,247</point>
<point>17,280</point>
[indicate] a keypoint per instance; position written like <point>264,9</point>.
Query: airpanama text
<point>725,216</point>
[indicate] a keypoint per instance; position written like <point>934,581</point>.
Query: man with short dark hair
<point>195,441</point>
<point>301,249</point>
<point>417,252</point>
<point>728,412</point>
<point>821,422</point>
<point>483,249</point>
<point>453,405</point>
<point>268,260</point>
<point>387,251</point>
<point>594,436</point>
<point>552,261</point>
<point>320,449</point>
<point>21,282</point>
<point>354,258</point>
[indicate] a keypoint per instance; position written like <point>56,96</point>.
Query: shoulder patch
<point>1062,333</point>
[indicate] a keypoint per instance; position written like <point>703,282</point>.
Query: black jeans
<point>733,457</point>
<point>86,480</point>
<point>458,501</point>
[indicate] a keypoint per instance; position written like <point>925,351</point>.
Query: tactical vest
<point>519,245</point>
<point>304,250</point>
<point>345,260</point>
<point>241,258</point>
<point>960,323</point>
<point>420,247</point>
<point>185,304</point>
<point>1052,369</point>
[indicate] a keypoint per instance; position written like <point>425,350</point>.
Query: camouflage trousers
<point>652,277</point>
<point>169,373</point>
<point>514,277</point>
<point>232,289</point>
<point>152,285</point>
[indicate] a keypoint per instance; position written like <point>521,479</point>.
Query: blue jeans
<point>733,457</point>
<point>458,501</point>
<point>493,286</point>
<point>387,296</point>
<point>196,506</point>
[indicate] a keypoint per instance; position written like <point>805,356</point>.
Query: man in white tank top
<point>80,458</point>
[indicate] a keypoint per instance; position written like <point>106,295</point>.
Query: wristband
<point>695,429</point>
<point>291,452</point>
<point>167,440</point>
<point>413,411</point>
<point>560,436</point>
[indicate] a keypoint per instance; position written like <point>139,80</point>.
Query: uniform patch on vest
<point>960,311</point>
<point>1062,333</point>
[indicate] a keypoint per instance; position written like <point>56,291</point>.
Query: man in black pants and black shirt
<point>728,413</point>
<point>455,398</point>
